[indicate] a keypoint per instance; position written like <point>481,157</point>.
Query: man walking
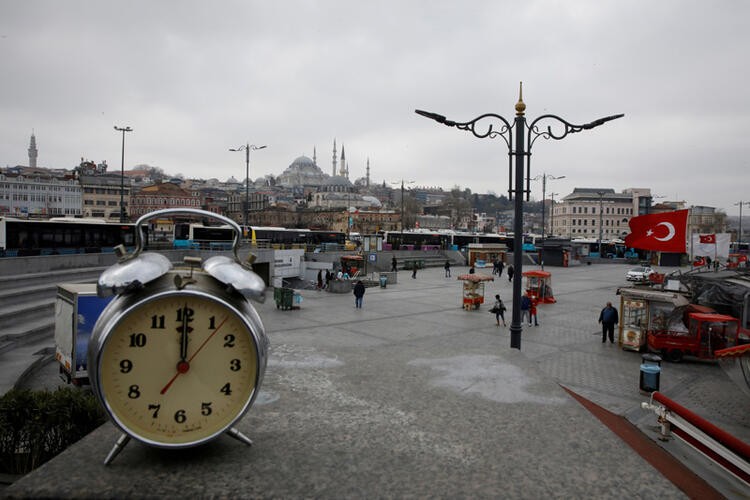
<point>394,265</point>
<point>447,268</point>
<point>608,319</point>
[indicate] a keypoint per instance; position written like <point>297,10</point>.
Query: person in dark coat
<point>320,279</point>
<point>608,319</point>
<point>499,310</point>
<point>500,267</point>
<point>526,308</point>
<point>447,267</point>
<point>394,264</point>
<point>359,292</point>
<point>510,272</point>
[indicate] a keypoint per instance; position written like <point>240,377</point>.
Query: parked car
<point>640,274</point>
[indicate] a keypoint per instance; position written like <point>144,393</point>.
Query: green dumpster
<point>283,297</point>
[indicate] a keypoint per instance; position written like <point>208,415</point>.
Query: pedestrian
<point>608,318</point>
<point>394,264</point>
<point>525,307</point>
<point>320,279</point>
<point>500,266</point>
<point>329,276</point>
<point>532,310</point>
<point>414,270</point>
<point>499,310</point>
<point>359,292</point>
<point>471,269</point>
<point>510,272</point>
<point>447,268</point>
<point>494,267</point>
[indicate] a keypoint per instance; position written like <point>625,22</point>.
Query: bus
<point>201,236</point>
<point>424,239</point>
<point>612,249</point>
<point>309,239</point>
<point>63,235</point>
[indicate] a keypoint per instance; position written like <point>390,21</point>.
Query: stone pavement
<point>411,396</point>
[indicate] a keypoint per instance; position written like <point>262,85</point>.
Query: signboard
<point>373,257</point>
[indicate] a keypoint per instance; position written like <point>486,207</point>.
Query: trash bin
<point>283,297</point>
<point>383,280</point>
<point>650,372</point>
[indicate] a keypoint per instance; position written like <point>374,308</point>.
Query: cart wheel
<point>675,355</point>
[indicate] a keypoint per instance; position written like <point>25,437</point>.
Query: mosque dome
<point>302,172</point>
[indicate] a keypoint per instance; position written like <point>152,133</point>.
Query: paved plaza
<point>412,396</point>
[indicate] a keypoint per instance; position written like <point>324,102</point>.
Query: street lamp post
<point>122,172</point>
<point>401,241</point>
<point>247,148</point>
<point>544,178</point>
<point>601,228</point>
<point>739,231</point>
<point>526,135</point>
<point>552,214</point>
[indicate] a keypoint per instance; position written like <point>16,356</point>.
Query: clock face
<point>178,369</point>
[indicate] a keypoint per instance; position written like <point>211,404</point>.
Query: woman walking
<point>499,310</point>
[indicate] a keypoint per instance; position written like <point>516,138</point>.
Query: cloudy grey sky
<point>194,78</point>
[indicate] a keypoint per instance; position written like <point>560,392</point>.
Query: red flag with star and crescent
<point>664,232</point>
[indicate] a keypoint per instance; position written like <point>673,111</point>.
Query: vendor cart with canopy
<point>539,286</point>
<point>473,289</point>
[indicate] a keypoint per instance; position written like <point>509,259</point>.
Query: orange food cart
<point>473,289</point>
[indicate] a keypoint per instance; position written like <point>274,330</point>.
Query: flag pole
<point>690,232</point>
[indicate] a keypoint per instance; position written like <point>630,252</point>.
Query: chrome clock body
<point>135,353</point>
<point>178,356</point>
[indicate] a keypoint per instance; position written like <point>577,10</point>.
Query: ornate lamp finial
<point>520,106</point>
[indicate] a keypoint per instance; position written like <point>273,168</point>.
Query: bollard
<point>650,373</point>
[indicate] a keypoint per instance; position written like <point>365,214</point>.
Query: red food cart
<point>539,286</point>
<point>705,334</point>
<point>473,289</point>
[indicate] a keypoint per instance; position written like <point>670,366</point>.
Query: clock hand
<point>183,336</point>
<point>187,363</point>
<point>207,339</point>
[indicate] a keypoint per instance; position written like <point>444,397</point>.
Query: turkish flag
<point>708,238</point>
<point>663,232</point>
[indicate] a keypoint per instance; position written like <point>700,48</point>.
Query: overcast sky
<point>195,78</point>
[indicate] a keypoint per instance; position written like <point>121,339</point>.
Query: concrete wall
<point>10,266</point>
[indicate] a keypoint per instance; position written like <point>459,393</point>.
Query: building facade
<point>101,196</point>
<point>593,213</point>
<point>39,195</point>
<point>160,196</point>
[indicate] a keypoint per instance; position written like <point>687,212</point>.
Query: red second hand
<point>184,367</point>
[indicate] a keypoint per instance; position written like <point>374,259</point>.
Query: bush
<point>35,426</point>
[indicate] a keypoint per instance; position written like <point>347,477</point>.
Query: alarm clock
<point>178,356</point>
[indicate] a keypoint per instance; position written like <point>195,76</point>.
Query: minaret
<point>334,158</point>
<point>342,171</point>
<point>315,157</point>
<point>33,153</point>
<point>367,178</point>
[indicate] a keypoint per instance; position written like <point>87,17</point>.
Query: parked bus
<point>62,235</point>
<point>423,239</point>
<point>196,235</point>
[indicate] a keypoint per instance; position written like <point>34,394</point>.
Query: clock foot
<point>239,436</point>
<point>117,448</point>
